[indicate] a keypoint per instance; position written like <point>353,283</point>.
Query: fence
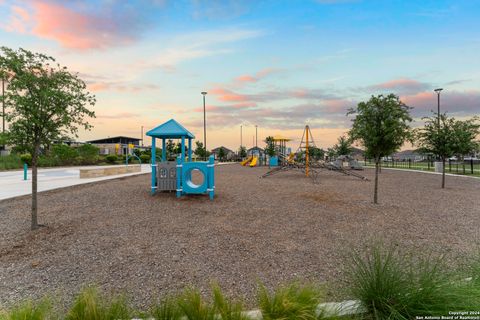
<point>467,167</point>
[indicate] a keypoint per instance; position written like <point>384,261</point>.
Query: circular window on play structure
<point>197,177</point>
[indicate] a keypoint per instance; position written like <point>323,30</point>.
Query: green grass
<point>395,285</point>
<point>422,166</point>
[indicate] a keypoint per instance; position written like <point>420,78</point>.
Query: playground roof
<point>170,130</point>
<point>280,138</point>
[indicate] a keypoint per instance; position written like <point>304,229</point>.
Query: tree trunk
<point>443,173</point>
<point>34,189</point>
<point>375,190</point>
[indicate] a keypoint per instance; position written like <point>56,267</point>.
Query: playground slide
<point>254,162</point>
<point>244,162</point>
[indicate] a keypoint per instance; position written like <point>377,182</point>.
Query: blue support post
<point>154,167</point>
<point>25,171</point>
<point>179,177</point>
<point>211,176</point>
<point>183,149</point>
<point>189,149</point>
<point>164,151</point>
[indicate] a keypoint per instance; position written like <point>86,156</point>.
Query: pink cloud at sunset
<point>401,85</point>
<point>453,102</point>
<point>246,78</point>
<point>70,28</point>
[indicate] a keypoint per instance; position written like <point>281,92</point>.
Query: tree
<point>199,150</point>
<point>343,147</point>
<point>242,152</point>
<point>45,102</point>
<point>381,125</point>
<point>270,148</point>
<point>452,137</point>
<point>316,153</point>
<point>221,154</point>
<point>170,147</point>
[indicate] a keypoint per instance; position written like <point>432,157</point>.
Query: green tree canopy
<point>343,147</point>
<point>44,102</point>
<point>199,150</point>
<point>221,154</point>
<point>381,125</point>
<point>445,137</point>
<point>242,151</point>
<point>270,148</point>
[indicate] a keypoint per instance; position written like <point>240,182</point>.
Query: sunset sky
<point>275,64</point>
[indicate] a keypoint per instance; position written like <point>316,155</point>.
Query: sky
<point>278,65</point>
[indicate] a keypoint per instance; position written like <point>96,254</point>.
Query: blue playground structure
<point>177,176</point>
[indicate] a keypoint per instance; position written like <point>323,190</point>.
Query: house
<point>228,154</point>
<point>409,155</point>
<point>357,154</point>
<point>256,151</point>
<point>116,145</point>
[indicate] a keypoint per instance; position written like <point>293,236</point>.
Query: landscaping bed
<point>274,230</point>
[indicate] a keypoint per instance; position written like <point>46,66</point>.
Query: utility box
<point>438,166</point>
<point>166,176</point>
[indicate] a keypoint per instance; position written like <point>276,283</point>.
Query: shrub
<point>395,285</point>
<point>45,161</point>
<point>89,153</point>
<point>26,158</point>
<point>291,302</point>
<point>63,154</point>
<point>12,161</point>
<point>145,158</point>
<point>111,158</point>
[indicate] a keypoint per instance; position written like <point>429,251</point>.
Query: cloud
<point>76,26</point>
<point>401,86</point>
<point>257,76</point>
<point>196,45</point>
<point>463,103</point>
<point>220,10</point>
<point>121,115</point>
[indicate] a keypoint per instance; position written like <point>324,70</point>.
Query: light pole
<point>204,93</point>
<point>142,136</point>
<point>438,105</point>
<point>256,135</point>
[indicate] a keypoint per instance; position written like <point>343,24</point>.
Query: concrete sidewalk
<point>13,185</point>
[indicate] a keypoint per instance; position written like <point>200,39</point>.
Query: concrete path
<point>13,185</point>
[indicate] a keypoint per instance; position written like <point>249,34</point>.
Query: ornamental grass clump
<point>89,305</point>
<point>290,302</point>
<point>392,284</point>
<point>31,311</point>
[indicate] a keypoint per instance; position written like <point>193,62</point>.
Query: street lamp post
<point>241,136</point>
<point>204,93</point>
<point>256,135</point>
<point>438,104</point>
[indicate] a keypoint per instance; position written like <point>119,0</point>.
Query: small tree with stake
<point>381,125</point>
<point>45,102</point>
<point>452,137</point>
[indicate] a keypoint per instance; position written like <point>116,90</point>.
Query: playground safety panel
<point>166,176</point>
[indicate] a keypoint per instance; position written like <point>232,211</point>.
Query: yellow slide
<point>254,162</point>
<point>244,162</point>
